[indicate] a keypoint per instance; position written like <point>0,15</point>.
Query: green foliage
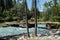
<point>1,20</point>
<point>14,10</point>
<point>52,11</point>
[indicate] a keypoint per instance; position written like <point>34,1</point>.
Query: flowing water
<point>5,31</point>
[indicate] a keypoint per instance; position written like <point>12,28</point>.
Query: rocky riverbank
<point>52,36</point>
<point>56,37</point>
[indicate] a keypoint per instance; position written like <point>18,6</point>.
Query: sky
<point>39,4</point>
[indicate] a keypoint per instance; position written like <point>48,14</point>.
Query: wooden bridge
<point>31,24</point>
<point>45,23</point>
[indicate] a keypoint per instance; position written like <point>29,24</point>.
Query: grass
<point>2,24</point>
<point>5,23</point>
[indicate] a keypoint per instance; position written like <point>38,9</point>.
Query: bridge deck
<point>45,22</point>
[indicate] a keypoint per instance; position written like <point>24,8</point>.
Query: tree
<point>35,15</point>
<point>25,6</point>
<point>52,8</point>
<point>6,4</point>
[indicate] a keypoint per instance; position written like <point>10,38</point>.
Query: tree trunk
<point>35,15</point>
<point>35,20</point>
<point>26,18</point>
